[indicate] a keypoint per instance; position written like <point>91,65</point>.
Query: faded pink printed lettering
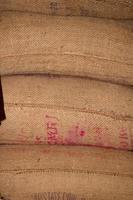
<point>98,136</point>
<point>101,136</point>
<point>52,129</point>
<point>132,141</point>
<point>123,137</point>
<point>75,135</point>
<point>23,138</point>
<point>38,140</point>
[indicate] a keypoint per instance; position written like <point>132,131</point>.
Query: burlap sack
<point>55,172</point>
<point>80,46</point>
<point>120,9</point>
<point>62,110</point>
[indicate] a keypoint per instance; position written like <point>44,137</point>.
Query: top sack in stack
<point>83,46</point>
<point>116,9</point>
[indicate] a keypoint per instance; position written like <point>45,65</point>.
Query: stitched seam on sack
<point>18,142</point>
<point>66,54</point>
<point>74,171</point>
<point>111,79</point>
<point>109,114</point>
<point>72,15</point>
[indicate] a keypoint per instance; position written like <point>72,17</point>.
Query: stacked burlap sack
<point>67,76</point>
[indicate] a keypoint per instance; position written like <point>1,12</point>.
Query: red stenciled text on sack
<point>52,129</point>
<point>123,137</point>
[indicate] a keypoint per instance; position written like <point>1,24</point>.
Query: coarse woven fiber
<point>34,172</point>
<point>81,46</point>
<point>120,9</point>
<point>63,110</point>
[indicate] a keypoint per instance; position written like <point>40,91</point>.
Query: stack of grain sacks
<point>67,74</point>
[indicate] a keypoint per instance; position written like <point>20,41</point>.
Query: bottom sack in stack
<point>39,172</point>
<point>66,110</point>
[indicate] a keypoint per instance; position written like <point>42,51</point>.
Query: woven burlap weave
<point>37,172</point>
<point>64,110</point>
<point>120,9</point>
<point>96,48</point>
